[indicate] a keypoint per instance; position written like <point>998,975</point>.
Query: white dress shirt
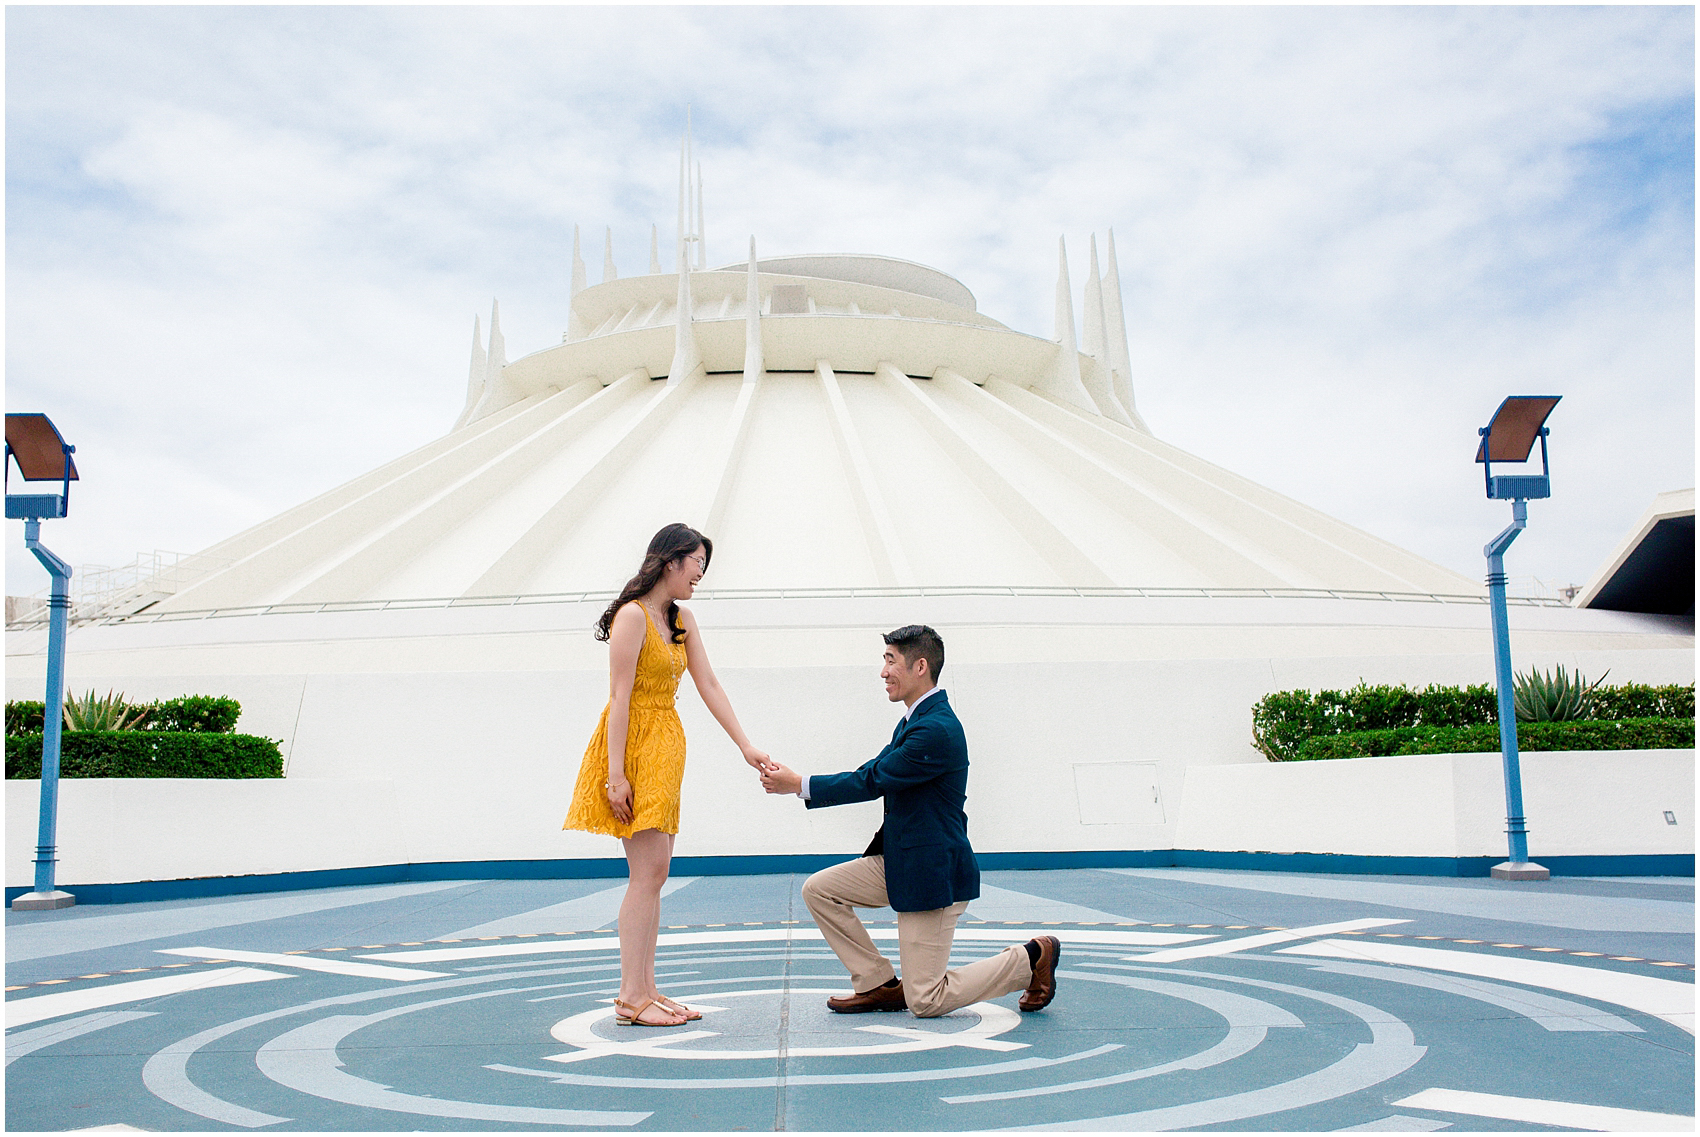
<point>803,789</point>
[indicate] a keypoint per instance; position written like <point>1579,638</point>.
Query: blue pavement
<point>1187,999</point>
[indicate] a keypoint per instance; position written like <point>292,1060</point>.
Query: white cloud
<point>244,244</point>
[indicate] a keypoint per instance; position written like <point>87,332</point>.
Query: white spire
<point>754,361</point>
<point>702,241</point>
<point>578,265</point>
<point>684,189</point>
<point>686,357</point>
<point>1099,381</point>
<point>1115,334</point>
<point>654,251</point>
<point>498,357</point>
<point>690,202</point>
<point>1063,379</point>
<point>1092,318</point>
<point>474,376</point>
<point>609,272</point>
<point>575,326</point>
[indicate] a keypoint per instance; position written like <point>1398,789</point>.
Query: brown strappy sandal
<point>627,1015</point>
<point>678,1008</point>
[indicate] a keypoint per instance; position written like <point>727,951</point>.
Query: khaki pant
<point>923,939</point>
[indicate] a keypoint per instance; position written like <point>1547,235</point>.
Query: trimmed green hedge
<point>1625,734</point>
<point>211,714</point>
<point>1282,722</point>
<point>25,715</point>
<point>148,754</point>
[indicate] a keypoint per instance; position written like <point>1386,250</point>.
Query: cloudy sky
<point>245,245</point>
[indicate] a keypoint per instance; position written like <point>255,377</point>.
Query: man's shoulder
<point>936,719</point>
<point>936,709</point>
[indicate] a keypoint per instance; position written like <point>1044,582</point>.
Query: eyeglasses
<point>702,561</point>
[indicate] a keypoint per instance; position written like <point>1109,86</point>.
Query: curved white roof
<point>885,272</point>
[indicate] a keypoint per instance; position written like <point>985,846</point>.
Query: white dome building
<point>793,415</point>
<point>866,449</point>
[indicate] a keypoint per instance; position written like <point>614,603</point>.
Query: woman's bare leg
<point>649,855</point>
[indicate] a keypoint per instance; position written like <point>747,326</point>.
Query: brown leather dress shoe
<point>879,999</point>
<point>1043,988</point>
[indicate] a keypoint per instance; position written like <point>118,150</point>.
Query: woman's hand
<point>620,800</point>
<point>757,758</point>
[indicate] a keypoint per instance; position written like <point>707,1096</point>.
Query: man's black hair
<point>917,641</point>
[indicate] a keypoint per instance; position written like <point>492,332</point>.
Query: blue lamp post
<point>34,443</point>
<point>1510,437</point>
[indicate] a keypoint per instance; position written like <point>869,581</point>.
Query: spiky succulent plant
<point>1555,697</point>
<point>94,712</point>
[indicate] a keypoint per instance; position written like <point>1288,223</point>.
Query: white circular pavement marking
<point>990,1021</point>
<point>306,1058</point>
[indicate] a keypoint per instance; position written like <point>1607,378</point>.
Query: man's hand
<point>778,779</point>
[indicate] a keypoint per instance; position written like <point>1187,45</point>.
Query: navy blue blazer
<point>923,777</point>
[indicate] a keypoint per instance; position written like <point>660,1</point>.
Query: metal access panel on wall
<point>1118,793</point>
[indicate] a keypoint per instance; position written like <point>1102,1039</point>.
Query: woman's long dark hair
<point>671,545</point>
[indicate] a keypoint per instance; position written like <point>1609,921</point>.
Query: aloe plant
<point>1539,697</point>
<point>93,712</point>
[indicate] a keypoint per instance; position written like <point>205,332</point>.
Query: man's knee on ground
<point>925,1004</point>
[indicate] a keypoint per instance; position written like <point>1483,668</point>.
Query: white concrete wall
<point>1443,805</point>
<point>114,830</point>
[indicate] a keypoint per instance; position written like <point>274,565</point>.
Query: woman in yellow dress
<point>628,784</point>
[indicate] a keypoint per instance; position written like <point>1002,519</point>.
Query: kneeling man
<point>920,861</point>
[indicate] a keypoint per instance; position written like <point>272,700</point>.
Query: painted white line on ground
<point>1397,1123</point>
<point>1539,1111</point>
<point>1262,939</point>
<point>774,935</point>
<point>21,1012</point>
<point>308,963</point>
<point>1667,999</point>
<point>911,1033</point>
<point>1115,936</point>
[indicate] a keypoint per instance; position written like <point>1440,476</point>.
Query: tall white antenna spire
<point>474,376</point>
<point>702,239</point>
<point>654,250</point>
<point>578,265</point>
<point>1092,317</point>
<point>690,202</point>
<point>498,355</point>
<point>1115,333</point>
<point>575,326</point>
<point>686,357</point>
<point>609,272</point>
<point>684,189</point>
<point>1063,380</point>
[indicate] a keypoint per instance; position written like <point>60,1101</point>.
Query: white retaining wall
<point>1578,802</point>
<point>1447,805</point>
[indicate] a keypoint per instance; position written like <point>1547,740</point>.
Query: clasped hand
<point>775,779</point>
<point>778,779</point>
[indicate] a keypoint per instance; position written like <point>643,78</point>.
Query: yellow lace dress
<point>655,749</point>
